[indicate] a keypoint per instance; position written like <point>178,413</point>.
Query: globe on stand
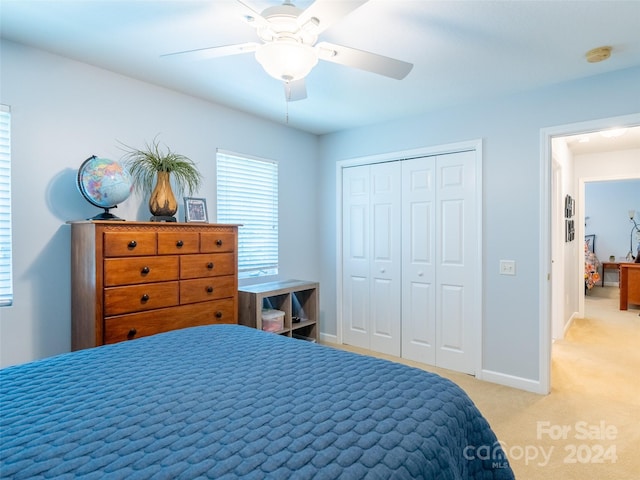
<point>104,183</point>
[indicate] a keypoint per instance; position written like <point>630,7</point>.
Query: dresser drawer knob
<point>179,243</point>
<point>209,289</point>
<point>218,314</point>
<point>144,298</point>
<point>210,265</point>
<point>219,242</point>
<point>133,244</point>
<point>132,333</point>
<point>145,270</point>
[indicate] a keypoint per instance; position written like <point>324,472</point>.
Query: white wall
<point>63,112</point>
<point>566,258</point>
<point>510,128</point>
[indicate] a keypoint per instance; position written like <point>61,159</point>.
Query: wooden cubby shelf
<point>299,300</point>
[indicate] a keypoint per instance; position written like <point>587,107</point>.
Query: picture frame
<point>573,207</point>
<point>572,231</point>
<point>195,210</point>
<point>569,206</point>
<point>569,231</point>
<point>590,241</point>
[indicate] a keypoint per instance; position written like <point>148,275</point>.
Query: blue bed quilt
<point>227,401</point>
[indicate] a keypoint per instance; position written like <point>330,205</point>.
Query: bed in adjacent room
<point>228,401</point>
<point>591,263</point>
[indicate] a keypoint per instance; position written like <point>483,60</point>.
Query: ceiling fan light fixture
<point>286,60</point>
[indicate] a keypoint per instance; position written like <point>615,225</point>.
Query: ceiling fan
<point>289,48</point>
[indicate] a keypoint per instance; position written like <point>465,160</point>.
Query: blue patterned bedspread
<point>227,401</point>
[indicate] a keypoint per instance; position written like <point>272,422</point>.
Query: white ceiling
<point>462,51</point>
<point>599,142</point>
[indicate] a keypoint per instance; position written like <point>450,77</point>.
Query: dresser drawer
<point>210,265</point>
<point>135,298</point>
<point>178,242</point>
<point>203,289</point>
<point>127,327</point>
<point>217,242</point>
<point>127,271</point>
<point>124,244</point>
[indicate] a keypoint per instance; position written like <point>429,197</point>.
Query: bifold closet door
<point>371,282</point>
<point>418,260</point>
<point>439,288</point>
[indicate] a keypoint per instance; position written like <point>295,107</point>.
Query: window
<point>248,195</point>
<point>6,285</point>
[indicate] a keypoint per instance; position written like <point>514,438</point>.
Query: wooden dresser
<point>629,285</point>
<point>133,279</point>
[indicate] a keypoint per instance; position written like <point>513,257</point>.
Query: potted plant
<point>162,166</point>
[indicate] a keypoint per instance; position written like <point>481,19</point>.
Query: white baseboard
<point>513,381</point>
<point>486,375</point>
<point>568,324</point>
<point>328,338</point>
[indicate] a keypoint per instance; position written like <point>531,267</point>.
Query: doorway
<point>556,291</point>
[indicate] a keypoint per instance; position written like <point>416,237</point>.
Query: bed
<point>228,401</point>
<point>591,263</point>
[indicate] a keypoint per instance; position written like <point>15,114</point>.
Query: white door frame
<point>557,250</point>
<point>546,282</point>
<point>472,145</point>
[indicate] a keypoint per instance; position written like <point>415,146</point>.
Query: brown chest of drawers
<point>133,279</point>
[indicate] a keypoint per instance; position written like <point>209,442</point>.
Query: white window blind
<point>6,284</point>
<point>247,191</point>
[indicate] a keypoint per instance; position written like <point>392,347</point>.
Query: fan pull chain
<point>287,88</point>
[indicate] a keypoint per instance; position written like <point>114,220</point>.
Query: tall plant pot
<point>162,203</point>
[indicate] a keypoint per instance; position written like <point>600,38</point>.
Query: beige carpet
<point>589,426</point>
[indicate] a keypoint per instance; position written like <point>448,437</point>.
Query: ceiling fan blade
<point>296,90</point>
<point>371,62</point>
<point>213,52</point>
<point>326,13</point>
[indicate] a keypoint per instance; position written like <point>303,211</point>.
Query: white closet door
<point>371,257</point>
<point>456,262</point>
<point>385,234</point>
<point>418,260</point>
<point>356,258</point>
<point>409,268</point>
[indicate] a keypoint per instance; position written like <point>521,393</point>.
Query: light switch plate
<point>507,267</point>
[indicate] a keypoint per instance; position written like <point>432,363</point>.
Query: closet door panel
<point>386,269</point>
<point>457,262</point>
<point>418,324</point>
<point>355,257</point>
<point>357,310</point>
<point>451,335</point>
<point>418,267</point>
<point>385,318</point>
<point>452,232</point>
